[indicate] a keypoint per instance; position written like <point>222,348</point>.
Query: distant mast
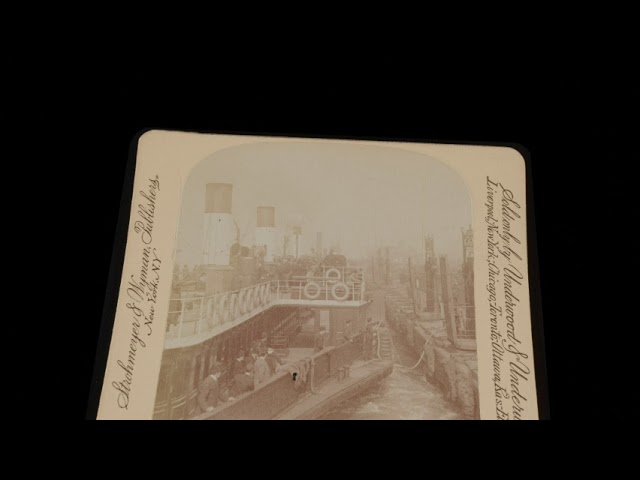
<point>266,233</point>
<point>319,245</point>
<point>297,234</point>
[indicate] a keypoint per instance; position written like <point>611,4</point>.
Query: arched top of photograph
<point>342,198</point>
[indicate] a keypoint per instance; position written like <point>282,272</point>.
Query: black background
<point>569,196</point>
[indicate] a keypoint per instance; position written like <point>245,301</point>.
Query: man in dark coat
<point>262,343</point>
<point>239,366</point>
<point>251,357</point>
<point>368,342</point>
<point>319,340</point>
<point>273,360</point>
<point>242,382</point>
<point>209,394</point>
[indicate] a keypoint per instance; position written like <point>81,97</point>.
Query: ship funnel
<point>219,227</point>
<point>266,217</point>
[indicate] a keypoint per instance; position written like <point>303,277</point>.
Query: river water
<point>403,395</point>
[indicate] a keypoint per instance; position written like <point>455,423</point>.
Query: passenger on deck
<point>242,382</point>
<point>262,343</point>
<point>239,365</point>
<point>261,372</point>
<point>319,340</point>
<point>209,393</point>
<point>273,361</point>
<point>368,342</point>
<point>251,358</point>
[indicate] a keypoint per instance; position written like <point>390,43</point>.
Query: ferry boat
<point>311,311</point>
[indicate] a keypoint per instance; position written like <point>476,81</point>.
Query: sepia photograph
<point>291,278</point>
<point>319,280</point>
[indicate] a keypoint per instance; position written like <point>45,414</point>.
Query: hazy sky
<point>360,196</point>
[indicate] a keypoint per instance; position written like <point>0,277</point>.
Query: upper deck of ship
<point>195,317</point>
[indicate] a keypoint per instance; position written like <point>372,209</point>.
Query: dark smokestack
<point>218,198</point>
<point>220,232</point>
<point>266,217</point>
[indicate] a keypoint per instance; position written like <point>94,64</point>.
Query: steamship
<point>269,295</point>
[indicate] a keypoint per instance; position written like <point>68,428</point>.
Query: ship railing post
<point>325,286</point>
<point>220,312</point>
<point>312,373</point>
<point>181,318</point>
<point>216,309</point>
<point>200,317</point>
<point>228,314</point>
<point>223,311</point>
<point>215,312</point>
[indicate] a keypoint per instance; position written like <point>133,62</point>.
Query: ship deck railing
<point>195,317</point>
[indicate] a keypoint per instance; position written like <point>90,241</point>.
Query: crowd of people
<point>249,371</point>
<point>255,367</point>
